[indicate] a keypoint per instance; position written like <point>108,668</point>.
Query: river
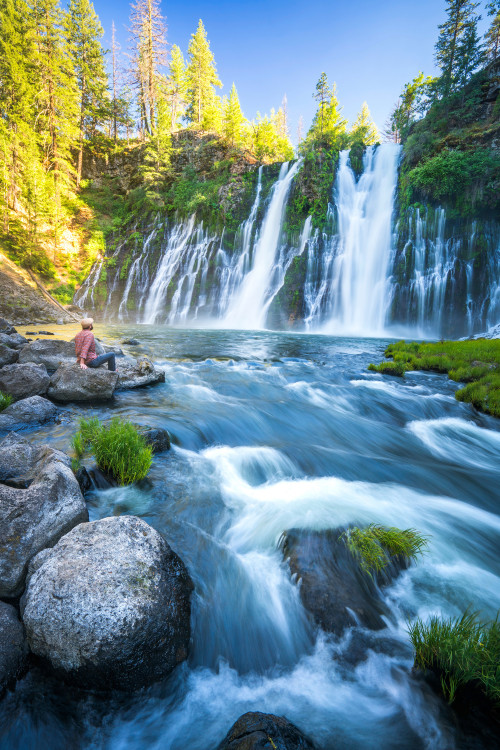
<point>273,431</point>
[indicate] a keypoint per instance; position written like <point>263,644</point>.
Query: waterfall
<point>249,305</point>
<point>360,283</point>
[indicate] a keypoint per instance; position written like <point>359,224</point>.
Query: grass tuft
<point>475,362</point>
<point>5,400</point>
<point>462,651</point>
<point>375,545</point>
<point>118,448</point>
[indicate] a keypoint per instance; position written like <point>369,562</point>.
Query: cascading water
<point>248,307</point>
<point>360,285</point>
<point>359,273</point>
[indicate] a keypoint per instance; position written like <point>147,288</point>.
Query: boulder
<point>100,348</point>
<point>51,353</point>
<point>83,479</point>
<point>71,383</point>
<point>132,374</point>
<point>28,411</point>
<point>6,341</point>
<point>109,605</point>
<point>16,340</point>
<point>13,645</point>
<point>257,731</point>
<point>131,342</point>
<point>40,500</point>
<point>7,355</point>
<point>22,381</point>
<point>333,588</point>
<point>6,327</point>
<point>157,438</point>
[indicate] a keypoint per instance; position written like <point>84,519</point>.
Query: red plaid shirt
<point>85,345</point>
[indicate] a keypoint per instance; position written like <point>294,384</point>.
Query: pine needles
<point>375,545</point>
<point>118,448</point>
<point>462,651</point>
<point>5,400</point>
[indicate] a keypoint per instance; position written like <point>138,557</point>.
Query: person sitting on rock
<point>85,348</point>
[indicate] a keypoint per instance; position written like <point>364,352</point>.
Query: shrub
<point>461,651</point>
<point>375,545</point>
<point>5,400</point>
<point>118,448</point>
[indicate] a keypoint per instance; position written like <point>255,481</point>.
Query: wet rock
<point>22,381</point>
<point>109,605</point>
<point>40,500</point>
<point>132,374</point>
<point>45,333</point>
<point>71,383</point>
<point>157,438</point>
<point>131,342</point>
<point>52,354</point>
<point>333,588</point>
<point>7,355</point>
<point>83,478</point>
<point>100,348</point>
<point>13,645</point>
<point>257,731</point>
<point>28,411</point>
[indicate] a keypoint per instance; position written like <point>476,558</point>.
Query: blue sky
<point>370,48</point>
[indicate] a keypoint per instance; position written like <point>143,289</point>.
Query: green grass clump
<point>476,362</point>
<point>5,400</point>
<point>375,545</point>
<point>461,651</point>
<point>118,448</point>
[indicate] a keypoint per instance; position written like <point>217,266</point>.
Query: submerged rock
<point>28,411</point>
<point>109,605</point>
<point>52,354</point>
<point>333,588</point>
<point>13,645</point>
<point>71,383</point>
<point>22,381</point>
<point>40,500</point>
<point>133,374</point>
<point>257,731</point>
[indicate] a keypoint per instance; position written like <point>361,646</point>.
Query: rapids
<point>273,431</point>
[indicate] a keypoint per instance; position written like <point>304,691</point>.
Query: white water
<point>360,286</point>
<point>247,310</point>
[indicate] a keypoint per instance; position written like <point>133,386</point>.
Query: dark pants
<point>109,358</point>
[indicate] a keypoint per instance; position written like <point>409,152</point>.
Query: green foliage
<point>5,400</point>
<point>118,448</point>
<point>202,76</point>
<point>374,545</point>
<point>474,361</point>
<point>465,179</point>
<point>457,48</point>
<point>364,130</point>
<point>462,651</point>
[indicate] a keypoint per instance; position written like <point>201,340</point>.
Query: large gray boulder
<point>40,500</point>
<point>49,353</point>
<point>109,605</point>
<point>7,355</point>
<point>28,411</point>
<point>135,373</point>
<point>22,381</point>
<point>71,383</point>
<point>13,645</point>
<point>258,731</point>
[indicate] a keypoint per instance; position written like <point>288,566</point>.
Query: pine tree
<point>114,80</point>
<point>149,34</point>
<point>176,87</point>
<point>202,77</point>
<point>233,126</point>
<point>470,53</point>
<point>364,129</point>
<point>461,14</point>
<point>57,100</point>
<point>492,37</point>
<point>300,130</point>
<point>413,103</point>
<point>283,118</point>
<point>84,32</point>
<point>322,95</point>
